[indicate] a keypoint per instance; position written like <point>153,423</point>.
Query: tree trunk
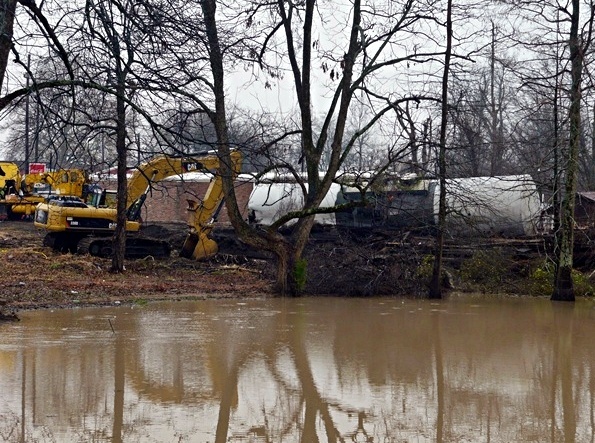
<point>119,240</point>
<point>563,289</point>
<point>591,169</point>
<point>556,179</point>
<point>284,284</point>
<point>7,10</point>
<point>435,291</point>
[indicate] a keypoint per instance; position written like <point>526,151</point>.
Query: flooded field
<point>472,369</point>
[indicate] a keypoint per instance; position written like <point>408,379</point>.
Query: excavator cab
<point>102,198</point>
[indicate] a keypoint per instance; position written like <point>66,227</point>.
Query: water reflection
<point>306,370</point>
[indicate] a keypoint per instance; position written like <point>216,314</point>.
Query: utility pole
<point>36,139</point>
<point>102,150</point>
<point>27,150</point>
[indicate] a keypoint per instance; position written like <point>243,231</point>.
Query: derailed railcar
<point>499,206</point>
<point>270,201</point>
<point>396,206</point>
<point>488,206</point>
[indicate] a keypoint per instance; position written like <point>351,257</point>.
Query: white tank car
<point>269,201</point>
<point>502,206</point>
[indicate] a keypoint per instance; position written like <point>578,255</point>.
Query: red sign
<point>36,168</point>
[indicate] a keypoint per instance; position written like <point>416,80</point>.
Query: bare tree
<point>435,290</point>
<point>484,114</point>
<point>64,132</point>
<point>578,43</point>
<point>365,45</point>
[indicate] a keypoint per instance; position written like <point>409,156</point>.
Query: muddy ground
<point>36,276</point>
<point>338,263</point>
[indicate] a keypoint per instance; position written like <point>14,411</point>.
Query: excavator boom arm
<point>202,215</point>
<point>165,166</point>
<point>72,221</point>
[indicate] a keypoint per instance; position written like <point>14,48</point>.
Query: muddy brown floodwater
<point>475,369</point>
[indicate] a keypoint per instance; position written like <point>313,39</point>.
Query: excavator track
<point>62,242</point>
<point>136,247</point>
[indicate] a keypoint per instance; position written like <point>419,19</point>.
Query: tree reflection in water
<point>310,370</point>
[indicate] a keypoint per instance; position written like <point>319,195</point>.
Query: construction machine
<point>76,226</point>
<point>9,177</point>
<point>20,194</point>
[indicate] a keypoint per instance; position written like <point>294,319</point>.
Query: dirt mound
<point>350,265</point>
<point>173,233</point>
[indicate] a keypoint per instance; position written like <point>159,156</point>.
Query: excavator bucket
<point>198,247</point>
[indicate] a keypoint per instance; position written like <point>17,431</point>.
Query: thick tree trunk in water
<point>282,283</point>
<point>285,283</point>
<point>291,273</point>
<point>563,289</point>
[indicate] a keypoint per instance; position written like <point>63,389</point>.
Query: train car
<point>488,206</point>
<point>494,206</point>
<point>269,201</point>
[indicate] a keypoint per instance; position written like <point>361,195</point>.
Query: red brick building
<point>167,202</point>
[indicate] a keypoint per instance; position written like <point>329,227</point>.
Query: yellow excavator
<point>76,226</point>
<point>20,194</point>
